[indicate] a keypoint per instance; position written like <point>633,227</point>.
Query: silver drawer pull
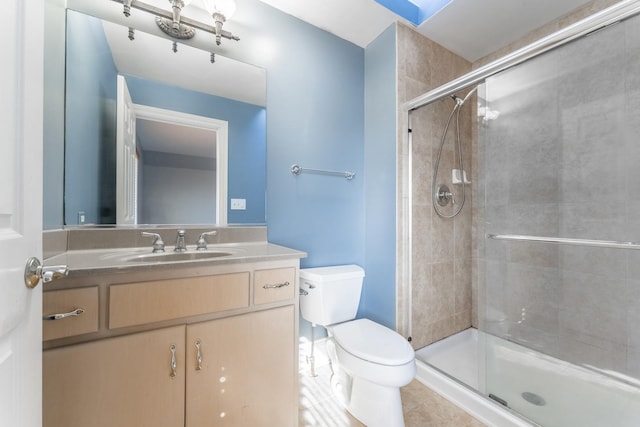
<point>76,312</point>
<point>276,286</point>
<point>174,362</point>
<point>198,355</point>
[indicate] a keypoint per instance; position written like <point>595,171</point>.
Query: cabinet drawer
<point>148,302</point>
<point>67,301</point>
<point>277,284</point>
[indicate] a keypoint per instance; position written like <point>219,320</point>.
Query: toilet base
<point>370,403</point>
<point>375,405</point>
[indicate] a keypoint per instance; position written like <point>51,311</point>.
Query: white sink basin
<point>176,256</point>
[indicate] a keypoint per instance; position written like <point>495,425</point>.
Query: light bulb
<point>225,7</point>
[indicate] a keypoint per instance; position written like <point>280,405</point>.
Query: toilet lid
<point>373,342</point>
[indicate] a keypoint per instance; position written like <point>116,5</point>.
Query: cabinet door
<point>247,373</point>
<point>124,381</point>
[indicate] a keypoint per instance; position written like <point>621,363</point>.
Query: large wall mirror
<point>154,136</point>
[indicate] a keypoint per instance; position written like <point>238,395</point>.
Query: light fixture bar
<point>149,8</point>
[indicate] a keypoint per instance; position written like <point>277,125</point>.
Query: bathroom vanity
<point>210,340</point>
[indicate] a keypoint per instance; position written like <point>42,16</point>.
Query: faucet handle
<point>180,243</point>
<point>158,243</point>
<point>202,241</point>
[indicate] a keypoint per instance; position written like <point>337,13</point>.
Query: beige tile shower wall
<point>440,293</point>
<point>550,28</point>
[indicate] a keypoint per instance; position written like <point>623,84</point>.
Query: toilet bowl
<point>375,362</point>
<point>370,350</point>
<point>369,361</point>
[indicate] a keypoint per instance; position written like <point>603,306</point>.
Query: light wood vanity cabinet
<point>245,377</point>
<point>123,381</point>
<point>276,284</point>
<point>233,341</point>
<point>78,307</point>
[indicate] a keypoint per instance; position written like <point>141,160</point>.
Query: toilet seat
<point>373,342</point>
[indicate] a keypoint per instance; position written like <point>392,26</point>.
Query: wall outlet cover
<point>238,204</point>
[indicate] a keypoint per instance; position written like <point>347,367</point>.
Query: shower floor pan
<point>548,391</point>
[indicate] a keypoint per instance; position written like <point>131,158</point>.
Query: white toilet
<point>370,362</point>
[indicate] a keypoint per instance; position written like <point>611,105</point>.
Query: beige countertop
<point>132,260</point>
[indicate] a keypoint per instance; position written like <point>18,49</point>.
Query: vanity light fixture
<point>220,11</point>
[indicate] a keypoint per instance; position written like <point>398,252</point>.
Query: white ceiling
<point>176,139</point>
<point>152,58</point>
<point>469,28</point>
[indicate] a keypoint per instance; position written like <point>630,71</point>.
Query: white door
<point>126,155</point>
<point>21,92</point>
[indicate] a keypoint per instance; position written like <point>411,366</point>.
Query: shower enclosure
<point>556,214</point>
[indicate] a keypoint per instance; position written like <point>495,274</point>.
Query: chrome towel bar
<point>566,241</point>
<point>297,170</point>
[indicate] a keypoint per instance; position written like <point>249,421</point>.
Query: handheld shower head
<point>468,95</point>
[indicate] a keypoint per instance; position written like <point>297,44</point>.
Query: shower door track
<point>614,14</point>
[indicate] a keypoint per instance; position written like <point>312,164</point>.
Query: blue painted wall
<point>90,129</point>
<point>379,296</point>
<point>315,105</point>
<point>53,126</point>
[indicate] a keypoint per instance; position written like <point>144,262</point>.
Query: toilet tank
<point>332,293</point>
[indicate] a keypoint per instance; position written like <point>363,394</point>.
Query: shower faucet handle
<point>443,195</point>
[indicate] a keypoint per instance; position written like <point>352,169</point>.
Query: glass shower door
<point>558,155</point>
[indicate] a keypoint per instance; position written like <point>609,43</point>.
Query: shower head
<point>469,94</point>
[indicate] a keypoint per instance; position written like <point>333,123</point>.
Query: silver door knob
<point>34,271</point>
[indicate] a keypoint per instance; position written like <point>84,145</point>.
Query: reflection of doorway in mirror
<point>177,170</point>
<point>126,157</point>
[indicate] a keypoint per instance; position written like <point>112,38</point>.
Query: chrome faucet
<point>180,245</point>
<point>202,240</point>
<point>158,243</point>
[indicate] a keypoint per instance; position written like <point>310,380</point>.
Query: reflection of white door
<point>127,159</point>
<point>220,129</point>
<point>21,93</point>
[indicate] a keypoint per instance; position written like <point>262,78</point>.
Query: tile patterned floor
<point>421,406</point>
